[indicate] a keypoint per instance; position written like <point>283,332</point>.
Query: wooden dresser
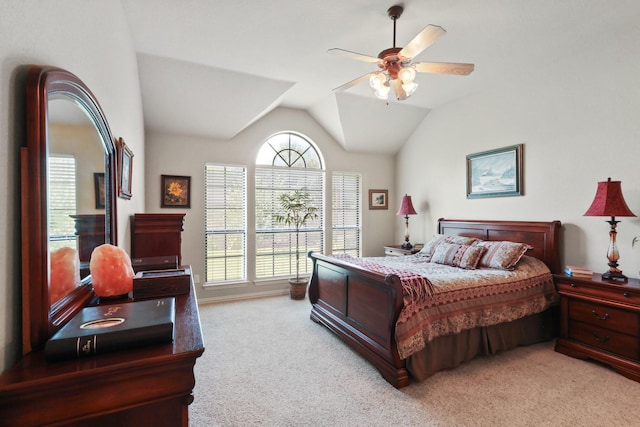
<point>90,232</point>
<point>148,386</point>
<point>600,320</point>
<point>155,235</point>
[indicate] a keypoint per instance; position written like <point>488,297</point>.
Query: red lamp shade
<point>406,208</point>
<point>609,201</point>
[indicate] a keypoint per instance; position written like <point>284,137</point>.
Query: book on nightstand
<point>113,327</point>
<point>578,271</point>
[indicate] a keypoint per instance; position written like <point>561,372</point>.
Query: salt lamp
<point>111,271</point>
<point>65,273</point>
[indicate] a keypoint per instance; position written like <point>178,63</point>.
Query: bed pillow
<point>502,255</point>
<point>463,256</point>
<point>430,246</point>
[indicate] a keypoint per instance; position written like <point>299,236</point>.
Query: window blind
<point>62,200</point>
<point>276,243</point>
<point>225,223</point>
<point>346,213</point>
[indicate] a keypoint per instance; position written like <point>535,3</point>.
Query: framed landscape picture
<point>125,169</point>
<point>495,173</point>
<point>378,199</point>
<point>176,191</point>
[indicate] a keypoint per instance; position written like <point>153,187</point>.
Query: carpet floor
<point>267,364</point>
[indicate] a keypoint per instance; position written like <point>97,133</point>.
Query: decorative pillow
<point>462,256</point>
<point>430,246</point>
<point>501,254</point>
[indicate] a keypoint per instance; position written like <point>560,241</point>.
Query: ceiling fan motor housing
<point>391,61</point>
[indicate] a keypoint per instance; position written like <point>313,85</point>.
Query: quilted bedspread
<point>441,300</point>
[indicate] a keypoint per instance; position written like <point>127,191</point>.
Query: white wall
<point>93,41</point>
<point>579,125</point>
<point>182,155</point>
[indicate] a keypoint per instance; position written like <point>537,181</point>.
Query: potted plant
<point>298,209</point>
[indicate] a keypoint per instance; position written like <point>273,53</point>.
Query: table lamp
<point>406,209</point>
<point>610,202</point>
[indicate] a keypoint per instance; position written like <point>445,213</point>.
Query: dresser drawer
<point>604,316</point>
<point>610,291</point>
<point>605,339</point>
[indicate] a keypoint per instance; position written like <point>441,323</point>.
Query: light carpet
<point>267,364</point>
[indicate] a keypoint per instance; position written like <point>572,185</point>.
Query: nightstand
<point>600,320</point>
<point>396,250</point>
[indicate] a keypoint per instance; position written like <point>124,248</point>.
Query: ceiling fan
<point>396,68</point>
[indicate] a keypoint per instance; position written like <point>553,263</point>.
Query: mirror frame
<point>40,319</point>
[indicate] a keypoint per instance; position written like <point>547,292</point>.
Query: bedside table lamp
<point>610,202</point>
<point>406,209</point>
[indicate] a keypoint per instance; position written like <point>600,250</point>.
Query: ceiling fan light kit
<point>396,65</point>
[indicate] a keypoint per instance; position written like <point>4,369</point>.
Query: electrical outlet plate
<point>196,278</point>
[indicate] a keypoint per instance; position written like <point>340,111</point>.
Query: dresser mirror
<point>67,175</point>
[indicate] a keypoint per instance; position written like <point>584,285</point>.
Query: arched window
<point>287,162</point>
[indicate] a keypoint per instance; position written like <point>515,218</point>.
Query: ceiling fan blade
<point>444,68</point>
<point>397,88</point>
<point>354,55</point>
<point>423,40</point>
<point>353,83</point>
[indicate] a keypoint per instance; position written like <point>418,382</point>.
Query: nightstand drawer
<point>388,251</point>
<point>604,316</point>
<point>398,250</point>
<point>605,339</point>
<point>610,291</point>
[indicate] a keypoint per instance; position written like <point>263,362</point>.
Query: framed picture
<point>495,173</point>
<point>176,191</point>
<point>125,169</point>
<point>378,199</point>
<point>98,183</point>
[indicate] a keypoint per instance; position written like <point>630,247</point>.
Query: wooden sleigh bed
<point>362,307</point>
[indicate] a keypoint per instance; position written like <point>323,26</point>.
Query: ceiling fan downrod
<point>394,13</point>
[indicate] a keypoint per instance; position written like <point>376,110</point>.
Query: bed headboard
<point>544,236</point>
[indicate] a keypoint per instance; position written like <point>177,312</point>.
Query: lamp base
<point>614,275</point>
<point>407,245</point>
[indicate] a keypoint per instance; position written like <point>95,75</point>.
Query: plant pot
<point>298,288</point>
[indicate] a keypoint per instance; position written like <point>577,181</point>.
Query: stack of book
<point>578,271</point>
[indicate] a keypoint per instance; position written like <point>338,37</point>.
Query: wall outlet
<point>196,278</point>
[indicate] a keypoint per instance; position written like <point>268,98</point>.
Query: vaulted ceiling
<point>211,68</point>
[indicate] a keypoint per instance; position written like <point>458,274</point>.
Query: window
<point>346,213</point>
<point>62,201</point>
<point>225,223</point>
<point>286,162</point>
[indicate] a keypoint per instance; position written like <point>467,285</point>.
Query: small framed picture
<point>176,191</point>
<point>378,199</point>
<point>98,183</point>
<point>495,173</point>
<point>125,169</point>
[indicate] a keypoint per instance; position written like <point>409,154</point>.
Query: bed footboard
<point>360,307</point>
